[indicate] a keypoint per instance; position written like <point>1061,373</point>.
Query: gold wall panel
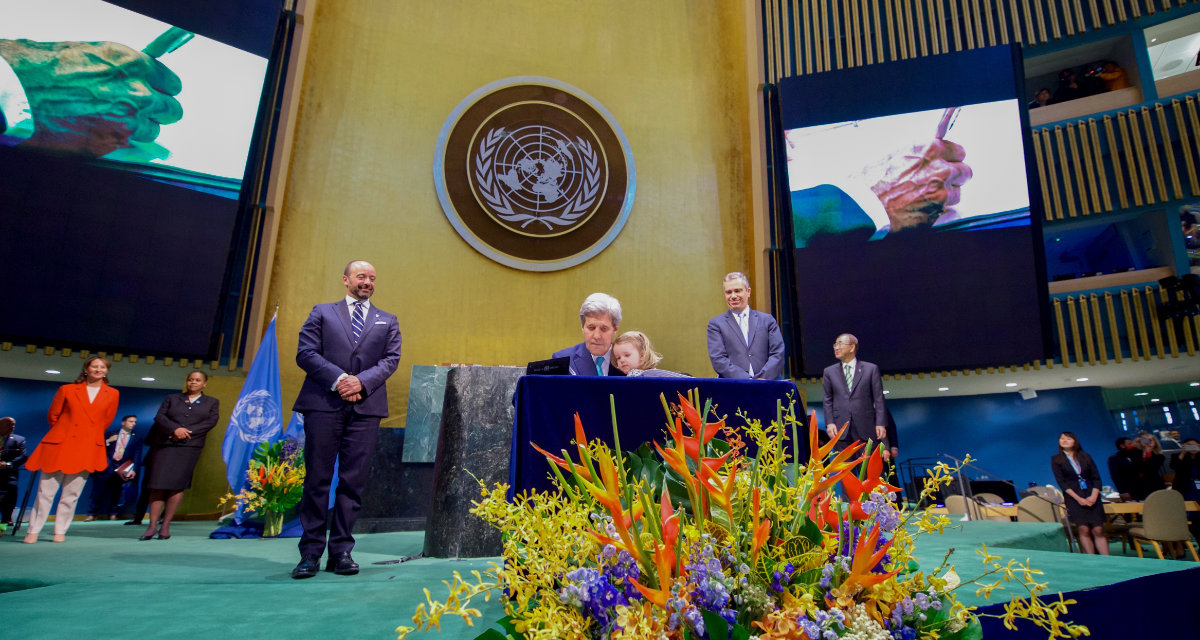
<point>381,78</point>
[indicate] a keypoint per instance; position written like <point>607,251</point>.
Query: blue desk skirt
<point>546,405</point>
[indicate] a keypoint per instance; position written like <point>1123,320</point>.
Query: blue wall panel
<point>1011,437</point>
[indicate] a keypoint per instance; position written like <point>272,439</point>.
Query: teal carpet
<point>102,583</point>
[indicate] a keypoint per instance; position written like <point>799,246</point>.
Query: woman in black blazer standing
<point>176,441</point>
<point>1079,480</point>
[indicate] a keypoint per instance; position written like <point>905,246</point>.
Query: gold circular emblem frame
<point>534,173</point>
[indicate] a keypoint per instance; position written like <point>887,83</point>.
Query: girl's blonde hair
<point>641,342</point>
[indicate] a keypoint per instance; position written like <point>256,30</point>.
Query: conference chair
<point>958,505</point>
<point>986,499</point>
<point>1164,519</point>
<point>1048,492</point>
<point>1035,509</point>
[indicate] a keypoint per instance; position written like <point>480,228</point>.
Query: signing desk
<point>546,406</point>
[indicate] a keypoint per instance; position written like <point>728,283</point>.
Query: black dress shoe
<point>162,537</point>
<point>308,567</point>
<point>342,564</point>
<point>146,537</point>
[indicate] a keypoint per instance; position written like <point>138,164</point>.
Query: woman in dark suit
<point>176,441</point>
<point>1079,480</point>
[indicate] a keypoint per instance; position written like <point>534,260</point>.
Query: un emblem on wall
<point>534,174</point>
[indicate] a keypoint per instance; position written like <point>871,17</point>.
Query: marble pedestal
<point>396,496</point>
<point>476,434</point>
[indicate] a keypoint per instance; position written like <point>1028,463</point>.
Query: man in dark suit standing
<point>853,392</point>
<point>348,349</point>
<point>12,456</point>
<point>599,317</point>
<point>744,343</point>
<point>121,445</point>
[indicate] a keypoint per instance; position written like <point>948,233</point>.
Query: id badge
<point>1196,482</point>
<point>1083,484</point>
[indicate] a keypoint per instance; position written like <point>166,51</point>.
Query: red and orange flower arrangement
<point>729,537</point>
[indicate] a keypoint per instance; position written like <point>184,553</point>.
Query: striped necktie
<point>849,374</point>
<point>356,321</point>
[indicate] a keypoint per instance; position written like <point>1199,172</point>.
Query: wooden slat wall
<point>1146,155</point>
<point>1095,327</point>
<point>808,36</point>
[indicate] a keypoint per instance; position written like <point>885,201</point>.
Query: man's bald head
<point>359,278</point>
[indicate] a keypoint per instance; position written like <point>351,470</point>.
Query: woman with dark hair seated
<point>634,356</point>
<point>1079,480</point>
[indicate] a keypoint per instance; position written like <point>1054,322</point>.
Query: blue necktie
<point>356,321</point>
<point>599,365</point>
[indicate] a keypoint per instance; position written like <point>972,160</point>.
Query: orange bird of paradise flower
<point>580,445</point>
<point>855,488</point>
<point>865,559</point>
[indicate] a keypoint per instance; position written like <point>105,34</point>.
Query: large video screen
<point>913,215</point>
<point>125,134</point>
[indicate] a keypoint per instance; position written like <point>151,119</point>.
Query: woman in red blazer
<point>73,447</point>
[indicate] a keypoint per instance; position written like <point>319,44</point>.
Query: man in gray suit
<point>853,393</point>
<point>744,343</point>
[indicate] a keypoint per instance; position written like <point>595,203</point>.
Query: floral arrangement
<point>699,538</point>
<point>276,478</point>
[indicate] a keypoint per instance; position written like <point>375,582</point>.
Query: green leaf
<point>973,631</point>
<point>812,576</point>
<point>715,625</point>
<point>740,633</point>
<point>509,631</point>
<point>811,531</point>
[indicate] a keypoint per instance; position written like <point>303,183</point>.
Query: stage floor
<point>103,583</point>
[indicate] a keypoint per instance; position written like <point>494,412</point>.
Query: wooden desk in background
<point>1110,508</point>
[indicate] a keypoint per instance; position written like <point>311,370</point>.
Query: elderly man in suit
<point>599,318</point>
<point>853,392</point>
<point>12,456</point>
<point>744,343</point>
<point>348,349</point>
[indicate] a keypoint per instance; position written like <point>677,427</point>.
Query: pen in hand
<point>170,40</point>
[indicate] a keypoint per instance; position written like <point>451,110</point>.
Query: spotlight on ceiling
<point>53,372</point>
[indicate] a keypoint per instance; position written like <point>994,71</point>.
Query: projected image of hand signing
<point>951,168</point>
<point>88,78</point>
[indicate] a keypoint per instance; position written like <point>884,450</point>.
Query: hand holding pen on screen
<point>918,183</point>
<point>93,98</point>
